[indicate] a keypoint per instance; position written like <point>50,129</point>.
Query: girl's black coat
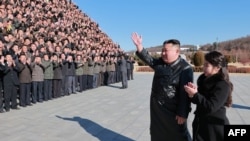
<point>210,114</point>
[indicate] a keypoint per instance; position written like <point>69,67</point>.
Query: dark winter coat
<point>210,113</point>
<point>168,98</point>
<point>10,77</point>
<point>57,67</point>
<point>25,72</point>
<point>71,68</point>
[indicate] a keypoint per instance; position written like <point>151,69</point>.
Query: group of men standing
<point>27,79</point>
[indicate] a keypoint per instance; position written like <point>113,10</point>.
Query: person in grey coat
<point>128,68</point>
<point>70,75</point>
<point>123,69</point>
<point>96,71</point>
<point>48,77</point>
<point>37,79</point>
<point>132,61</point>
<point>79,73</point>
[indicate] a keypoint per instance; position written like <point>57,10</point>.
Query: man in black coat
<point>1,85</point>
<point>169,103</point>
<point>10,82</point>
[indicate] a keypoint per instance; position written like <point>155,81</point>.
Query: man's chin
<point>166,60</point>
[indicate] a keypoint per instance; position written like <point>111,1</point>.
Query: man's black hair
<point>172,41</point>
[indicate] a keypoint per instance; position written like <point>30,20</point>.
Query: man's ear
<point>178,50</point>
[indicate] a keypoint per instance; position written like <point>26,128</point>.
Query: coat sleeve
<point>216,99</point>
<point>184,103</point>
<point>21,67</point>
<point>145,57</point>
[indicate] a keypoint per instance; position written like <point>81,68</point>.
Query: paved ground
<point>103,114</point>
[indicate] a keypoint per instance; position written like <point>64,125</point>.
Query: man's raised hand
<point>137,40</point>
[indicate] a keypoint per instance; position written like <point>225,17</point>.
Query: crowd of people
<point>49,49</point>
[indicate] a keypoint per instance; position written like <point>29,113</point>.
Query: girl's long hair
<point>218,60</point>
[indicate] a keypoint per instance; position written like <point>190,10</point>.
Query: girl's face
<point>209,69</point>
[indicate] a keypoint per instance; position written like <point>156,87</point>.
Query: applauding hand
<point>191,89</point>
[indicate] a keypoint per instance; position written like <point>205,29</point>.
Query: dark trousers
<point>106,77</point>
<point>57,84</point>
<point>47,87</point>
<point>84,82</point>
<point>1,96</point>
<point>95,80</point>
<point>64,85</point>
<point>132,74</point>
<point>25,93</point>
<point>113,77</point>
<point>101,78</point>
<point>90,82</point>
<point>71,84</point>
<point>79,82</point>
<point>110,77</point>
<point>10,96</point>
<point>118,76</point>
<point>124,79</point>
<point>129,73</point>
<point>37,91</point>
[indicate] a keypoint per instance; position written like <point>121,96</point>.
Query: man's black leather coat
<point>168,82</point>
<point>168,97</point>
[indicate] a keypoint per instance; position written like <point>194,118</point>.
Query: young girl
<point>211,97</point>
